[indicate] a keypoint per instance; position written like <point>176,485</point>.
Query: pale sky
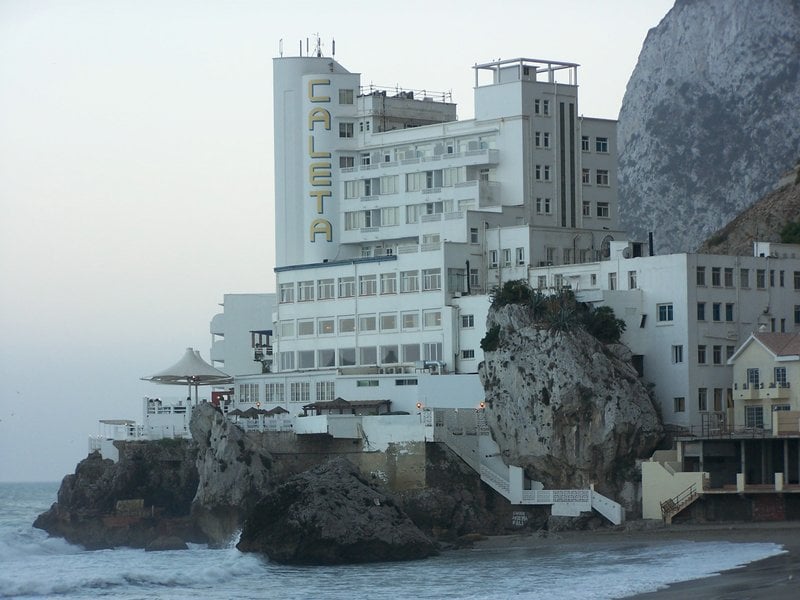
<point>136,182</point>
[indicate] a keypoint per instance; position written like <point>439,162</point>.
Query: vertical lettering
<point>323,227</point>
<point>312,94</point>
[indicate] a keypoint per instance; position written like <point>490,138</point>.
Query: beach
<point>776,578</point>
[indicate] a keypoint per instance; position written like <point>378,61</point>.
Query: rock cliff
<point>233,471</point>
<point>763,221</point>
<point>567,408</point>
<point>332,515</point>
<point>710,117</point>
<point>145,496</point>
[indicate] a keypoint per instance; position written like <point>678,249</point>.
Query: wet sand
<point>776,578</point>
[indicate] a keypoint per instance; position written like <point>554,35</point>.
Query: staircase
<point>672,506</point>
<point>466,433</point>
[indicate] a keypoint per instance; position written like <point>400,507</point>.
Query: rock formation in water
<point>569,409</point>
<point>234,473</point>
<point>145,496</point>
<point>332,515</point>
<point>763,221</point>
<point>710,117</point>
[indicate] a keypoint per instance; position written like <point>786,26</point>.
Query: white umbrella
<point>190,370</point>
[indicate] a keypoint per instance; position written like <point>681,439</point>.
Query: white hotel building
<point>394,220</point>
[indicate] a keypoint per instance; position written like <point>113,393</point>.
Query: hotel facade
<point>394,220</point>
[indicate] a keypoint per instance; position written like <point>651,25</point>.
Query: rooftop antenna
<point>280,47</point>
<point>333,47</point>
<point>318,45</point>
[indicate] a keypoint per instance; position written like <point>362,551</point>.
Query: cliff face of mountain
<point>763,221</point>
<point>710,117</point>
<point>569,409</point>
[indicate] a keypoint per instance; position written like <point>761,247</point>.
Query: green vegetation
<point>559,312</point>
<point>790,234</point>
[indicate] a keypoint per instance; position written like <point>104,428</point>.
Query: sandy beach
<point>776,578</point>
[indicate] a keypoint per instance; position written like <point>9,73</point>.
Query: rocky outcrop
<point>763,221</point>
<point>710,117</point>
<point>568,409</point>
<point>332,515</point>
<point>144,496</point>
<point>233,470</point>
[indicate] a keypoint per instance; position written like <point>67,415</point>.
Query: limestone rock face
<point>565,407</point>
<point>144,496</point>
<point>233,471</point>
<point>710,117</point>
<point>332,515</point>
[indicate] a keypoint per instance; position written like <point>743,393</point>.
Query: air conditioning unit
<point>456,294</point>
<point>391,370</point>
<point>389,251</point>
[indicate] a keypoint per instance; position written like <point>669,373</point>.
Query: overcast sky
<point>136,170</point>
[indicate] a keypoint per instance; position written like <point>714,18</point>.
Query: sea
<point>33,565</point>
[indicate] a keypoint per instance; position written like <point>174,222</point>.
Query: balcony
<point>761,391</point>
<point>488,192</point>
<point>262,353</point>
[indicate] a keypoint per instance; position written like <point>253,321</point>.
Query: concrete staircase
<point>672,506</point>
<point>466,433</point>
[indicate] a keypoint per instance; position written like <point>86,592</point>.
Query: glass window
<point>761,278</point>
<point>367,285</point>
<point>677,354</point>
<point>388,321</point>
<point>467,354</point>
<point>716,311</point>
<point>347,324</point>
<point>432,351</point>
<point>410,320</point>
<point>601,177</point>
<point>326,326</point>
<point>431,279</point>
<point>585,143</point>
<point>679,404</point>
<point>368,355</point>
<point>432,319</point>
<point>702,399</point>
<point>367,323</point>
<point>467,321</point>
<point>345,96</point>
<point>716,276</point>
<point>701,275</point>
<point>286,329</point>
<point>347,287</point>
<point>345,130</point>
<point>389,355</point>
<point>701,355</point>
<point>716,354</point>
<point>754,416</point>
<point>601,144</point>
<point>326,289</point>
<point>305,359</point>
<point>744,278</point>
<point>409,281</point>
<point>388,283</point>
<point>664,312</point>
<point>347,357</point>
<point>411,353</point>
<point>602,210</point>
<point>729,311</point>
<point>728,277</point>
<point>305,291</point>
<point>326,358</point>
<point>753,377</point>
<point>287,361</point>
<point>701,311</point>
<point>286,292</point>
<point>305,327</point>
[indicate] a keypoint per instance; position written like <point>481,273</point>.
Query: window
<point>545,107</point>
<point>780,376</point>
<point>566,253</point>
<point>537,104</point>
<point>586,209</point>
<point>366,159</point>
<point>347,287</point>
<point>367,285</point>
<point>274,393</point>
<point>432,351</point>
<point>702,399</point>
<point>602,210</point>
<point>781,278</point>
<point>753,377</point>
<point>701,355</point>
<point>326,289</point>
<point>729,312</point>
<point>473,235</point>
<point>345,96</point>
<point>305,359</point>
<point>701,276</point>
<point>586,176</point>
<point>389,355</point>
<point>467,321</point>
<point>326,326</point>
<point>493,260</point>
<point>287,361</point>
<point>347,162</point>
<point>368,355</point>
<point>388,283</point>
<point>744,278</point>
<point>432,319</point>
<point>300,392</point>
<point>506,257</point>
<point>326,358</point>
<point>601,144</point>
<point>520,256</point>
<point>664,312</point>
<point>797,280</point>
<point>537,139</point>
<point>367,323</point>
<point>411,353</point>
<point>797,314</point>
<point>467,354</point>
<point>431,279</point>
<point>286,292</point>
<point>546,139</point>
<point>761,279</point>
<point>326,390</point>
<point>632,283</point>
<point>701,311</point>
<point>601,177</point>
<point>679,404</point>
<point>541,282</point>
<point>716,276</point>
<point>612,281</point>
<point>772,278</point>
<point>388,322</point>
<point>410,320</point>
<point>584,143</point>
<point>409,281</point>
<point>716,355</point>
<point>410,381</point>
<point>474,279</point>
<point>347,357</point>
<point>248,392</point>
<point>718,399</point>
<point>754,416</point>
<point>728,277</point>
<point>305,327</point>
<point>345,130</point>
<point>305,291</point>
<point>286,329</point>
<point>729,350</point>
<point>543,206</point>
<point>677,354</point>
<point>716,311</point>
<point>347,324</point>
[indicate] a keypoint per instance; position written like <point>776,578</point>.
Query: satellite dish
<point>626,253</point>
